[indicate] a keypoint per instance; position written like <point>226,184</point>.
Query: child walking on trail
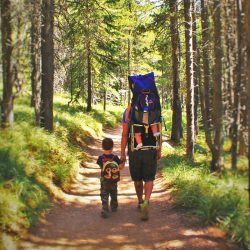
<point>110,165</point>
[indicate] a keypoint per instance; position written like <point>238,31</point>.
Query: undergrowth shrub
<point>219,199</point>
<point>34,164</point>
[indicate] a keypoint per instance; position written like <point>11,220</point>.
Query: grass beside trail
<point>220,199</point>
<point>35,164</point>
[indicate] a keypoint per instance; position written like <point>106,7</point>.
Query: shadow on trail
<point>81,226</point>
<point>75,222</point>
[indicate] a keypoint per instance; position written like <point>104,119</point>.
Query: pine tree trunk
<point>217,92</point>
<point>104,100</point>
<point>203,106</point>
<point>129,67</point>
<point>36,58</point>
<point>7,114</point>
<point>229,62</point>
<point>247,22</point>
<point>236,110</point>
<point>175,41</point>
<point>47,53</point>
<point>195,66</point>
<point>206,69</point>
<point>243,145</point>
<point>189,79</point>
<point>89,99</point>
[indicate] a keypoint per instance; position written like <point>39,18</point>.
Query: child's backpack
<point>110,170</point>
<point>145,110</point>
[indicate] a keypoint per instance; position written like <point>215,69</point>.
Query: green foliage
<point>220,199</point>
<point>21,197</point>
<point>35,164</point>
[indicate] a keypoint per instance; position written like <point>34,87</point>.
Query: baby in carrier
<point>146,116</point>
<point>138,133</point>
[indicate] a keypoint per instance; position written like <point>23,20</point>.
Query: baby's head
<point>107,145</point>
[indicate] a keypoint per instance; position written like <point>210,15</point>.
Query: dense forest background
<point>85,50</point>
<point>88,48</point>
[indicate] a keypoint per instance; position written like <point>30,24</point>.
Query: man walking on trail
<point>142,166</point>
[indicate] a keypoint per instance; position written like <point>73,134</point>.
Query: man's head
<point>107,144</point>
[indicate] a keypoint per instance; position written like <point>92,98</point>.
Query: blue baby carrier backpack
<point>145,114</point>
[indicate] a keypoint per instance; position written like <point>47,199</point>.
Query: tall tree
<point>89,55</point>
<point>129,65</point>
<point>217,89</point>
<point>230,59</point>
<point>236,108</point>
<point>247,22</point>
<point>8,81</point>
<point>176,133</point>
<point>212,124</point>
<point>189,79</point>
<point>206,70</point>
<point>47,52</point>
<point>195,65</point>
<point>35,33</point>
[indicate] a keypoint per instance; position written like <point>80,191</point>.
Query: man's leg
<point>139,190</point>
<point>148,188</point>
<point>149,171</point>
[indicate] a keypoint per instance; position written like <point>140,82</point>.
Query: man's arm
<point>124,141</point>
<point>160,148</point>
<point>159,153</point>
<point>125,128</point>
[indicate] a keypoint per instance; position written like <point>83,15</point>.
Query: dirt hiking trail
<point>75,222</point>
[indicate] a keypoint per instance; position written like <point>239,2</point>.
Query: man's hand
<point>121,166</point>
<point>123,159</point>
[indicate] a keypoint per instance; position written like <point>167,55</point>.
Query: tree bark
<point>36,58</point>
<point>89,99</point>
<point>236,108</point>
<point>195,67</point>
<point>89,65</point>
<point>230,61</point>
<point>217,92</point>
<point>104,100</point>
<point>129,67</point>
<point>176,132</point>
<point>47,52</point>
<point>189,79</point>
<point>206,67</point>
<point>247,22</point>
<point>8,81</point>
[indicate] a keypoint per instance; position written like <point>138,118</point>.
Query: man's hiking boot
<point>139,204</point>
<point>104,213</point>
<point>144,210</point>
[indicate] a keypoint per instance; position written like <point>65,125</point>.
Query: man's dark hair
<point>107,143</point>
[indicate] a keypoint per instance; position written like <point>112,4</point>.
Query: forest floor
<point>75,221</point>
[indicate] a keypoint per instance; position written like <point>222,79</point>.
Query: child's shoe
<point>113,209</point>
<point>145,210</point>
<point>104,213</point>
<point>139,204</point>
<point>113,205</point>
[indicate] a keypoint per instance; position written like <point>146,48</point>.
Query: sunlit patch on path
<point>75,222</point>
